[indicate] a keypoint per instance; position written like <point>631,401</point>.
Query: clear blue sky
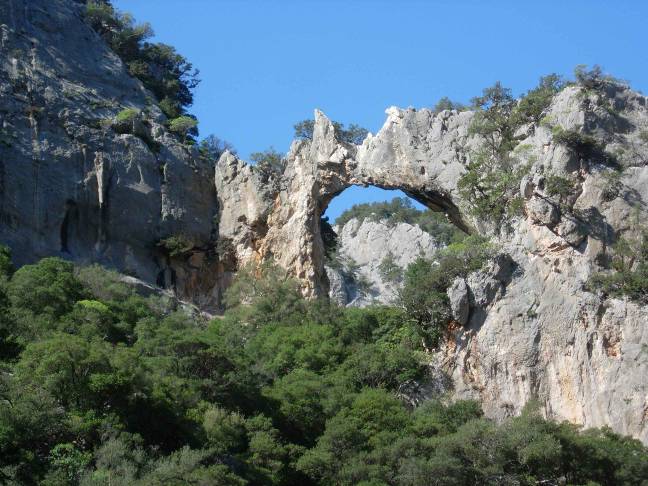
<point>267,64</point>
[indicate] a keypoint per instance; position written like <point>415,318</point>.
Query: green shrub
<point>611,184</point>
<point>278,391</point>
<point>161,69</point>
<point>446,103</point>
<point>269,162</point>
<point>628,273</point>
<point>47,287</point>
<point>492,179</point>
<point>212,147</point>
<point>389,269</point>
<point>581,145</point>
<point>594,78</point>
<point>184,126</point>
<point>491,185</point>
<point>176,245</point>
<point>532,106</point>
<point>424,293</point>
<point>127,115</point>
<point>556,185</point>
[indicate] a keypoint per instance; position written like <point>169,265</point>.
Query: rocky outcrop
<point>75,184</point>
<point>526,328</point>
<point>365,250</point>
<point>72,185</point>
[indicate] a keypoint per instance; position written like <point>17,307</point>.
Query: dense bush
<point>184,125</point>
<point>492,179</point>
<point>424,293</point>
<point>269,162</point>
<point>104,387</point>
<point>446,103</point>
<point>401,210</point>
<point>161,69</point>
<point>628,270</point>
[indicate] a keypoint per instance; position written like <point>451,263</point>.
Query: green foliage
<point>389,270</point>
<point>611,184</point>
<point>401,210</point>
<point>48,287</point>
<point>426,282</point>
<point>594,78</point>
<point>6,267</point>
<point>304,129</point>
<point>491,185</point>
<point>557,185</point>
<point>582,146</point>
<point>628,273</point>
<point>176,245</point>
<point>269,162</point>
<point>531,107</point>
<point>161,69</point>
<point>125,121</point>
<point>354,134</point>
<point>329,238</point>
<point>446,103</point>
<point>492,178</point>
<point>184,126</point>
<point>127,115</point>
<point>109,388</point>
<point>212,147</point>
<point>493,121</point>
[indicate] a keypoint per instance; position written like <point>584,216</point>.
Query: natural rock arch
<point>418,152</point>
<point>535,334</point>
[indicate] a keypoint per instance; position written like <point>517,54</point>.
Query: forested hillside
<point>100,386</point>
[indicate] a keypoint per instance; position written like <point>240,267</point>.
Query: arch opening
<point>369,235</point>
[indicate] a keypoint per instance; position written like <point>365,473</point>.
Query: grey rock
<point>459,301</point>
<point>73,188</point>
<point>365,245</point>
<point>542,211</point>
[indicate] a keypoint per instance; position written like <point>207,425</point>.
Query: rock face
<point>71,185</point>
<point>531,330</point>
<point>363,247</point>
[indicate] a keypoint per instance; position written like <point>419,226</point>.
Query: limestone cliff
<point>371,258</point>
<point>531,329</point>
<point>73,184</point>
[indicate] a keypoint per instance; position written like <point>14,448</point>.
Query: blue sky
<point>266,64</point>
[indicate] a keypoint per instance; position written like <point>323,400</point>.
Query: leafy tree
<point>492,179</point>
<point>628,274</point>
<point>446,103</point>
<point>47,287</point>
<point>304,129</point>
<point>279,391</point>
<point>161,69</point>
<point>532,106</point>
<point>213,147</point>
<point>269,162</point>
<point>493,121</point>
<point>6,265</point>
<point>426,282</point>
<point>389,270</point>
